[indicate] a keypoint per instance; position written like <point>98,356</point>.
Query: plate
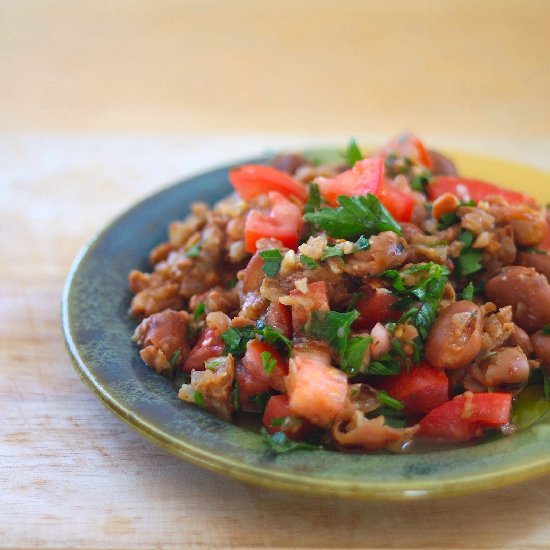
<point>98,329</point>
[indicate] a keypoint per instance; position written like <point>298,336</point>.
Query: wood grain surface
<point>73,476</point>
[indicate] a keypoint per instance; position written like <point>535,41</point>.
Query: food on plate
<point>360,306</point>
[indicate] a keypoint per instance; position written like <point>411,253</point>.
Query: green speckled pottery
<point>98,330</point>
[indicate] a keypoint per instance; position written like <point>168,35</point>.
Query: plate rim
<point>263,476</point>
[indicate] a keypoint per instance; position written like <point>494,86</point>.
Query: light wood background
<point>103,102</point>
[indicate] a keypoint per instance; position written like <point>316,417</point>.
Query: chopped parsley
<point>470,258</point>
<point>278,443</point>
<point>199,399</point>
<point>272,261</point>
<point>174,361</point>
<point>279,421</point>
<point>332,251</point>
<point>236,339</point>
<point>308,263</point>
<point>355,217</point>
<point>268,362</point>
<point>392,417</point>
<point>420,181</point>
<point>272,336</point>
<point>332,327</point>
<point>546,330</point>
<point>389,401</point>
<point>261,400</point>
<point>447,219</point>
<point>362,243</point>
<point>313,199</point>
<point>199,310</point>
<point>194,251</point>
<point>354,354</point>
<point>214,362</point>
<point>532,250</point>
<point>353,153</point>
<point>468,292</point>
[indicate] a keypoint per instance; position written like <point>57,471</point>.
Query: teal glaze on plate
<point>98,333</point>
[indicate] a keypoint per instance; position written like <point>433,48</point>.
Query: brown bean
<point>506,366</point>
<point>541,345</point>
<point>520,338</point>
<point>526,291</point>
<point>541,262</point>
<point>455,337</point>
<point>442,165</point>
<point>529,224</point>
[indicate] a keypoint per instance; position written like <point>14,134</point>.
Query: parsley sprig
<point>470,258</point>
<point>278,443</point>
<point>272,261</point>
<point>353,153</point>
<point>355,217</point>
<point>236,339</point>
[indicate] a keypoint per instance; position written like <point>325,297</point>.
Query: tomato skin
<point>375,307</point>
<point>279,317</point>
<point>253,180</point>
<point>277,407</point>
<point>366,176</point>
<point>284,222</point>
<point>408,145</point>
<point>209,345</point>
<point>398,203</point>
<point>476,190</point>
<point>252,361</point>
<point>421,389</point>
<point>466,416</point>
<point>249,386</point>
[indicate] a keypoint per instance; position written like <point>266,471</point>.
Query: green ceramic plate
<point>98,329</point>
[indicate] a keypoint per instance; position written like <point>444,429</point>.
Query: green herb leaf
<point>331,251</point>
<point>236,339</point>
<point>447,219</point>
<point>308,262</point>
<point>313,199</point>
<point>389,401</point>
<point>332,327</point>
<point>174,360</point>
<point>420,181</point>
<point>214,362</point>
<point>275,422</point>
<point>468,292</point>
<point>278,443</point>
<point>386,365</point>
<point>392,417</point>
<point>261,400</point>
<point>199,399</point>
<point>354,354</point>
<point>546,330</point>
<point>268,362</point>
<point>353,153</point>
<point>469,262</point>
<point>199,310</point>
<point>362,243</point>
<point>355,217</point>
<point>194,251</point>
<point>532,250</point>
<point>272,336</point>
<point>272,261</point>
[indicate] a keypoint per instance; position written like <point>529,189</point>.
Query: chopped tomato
<point>208,345</point>
<point>271,368</point>
<point>366,176</point>
<point>317,391</point>
<point>283,222</point>
<point>422,389</point>
<point>251,389</point>
<point>466,416</point>
<point>374,306</point>
<point>399,204</point>
<point>279,317</point>
<point>278,418</point>
<point>252,180</point>
<point>304,304</point>
<point>409,146</point>
<point>471,189</point>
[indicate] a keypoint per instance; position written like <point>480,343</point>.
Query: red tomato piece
<point>422,389</point>
<point>253,361</point>
<point>252,180</point>
<point>316,390</point>
<point>375,307</point>
<point>471,189</point>
<point>466,416</point>
<point>399,204</point>
<point>209,345</point>
<point>366,176</point>
<point>408,145</point>
<point>249,387</point>
<point>277,408</point>
<point>283,222</point>
<point>279,317</point>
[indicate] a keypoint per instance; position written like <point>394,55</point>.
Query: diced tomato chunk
<point>317,391</point>
<point>283,222</point>
<point>466,416</point>
<point>254,362</point>
<point>253,180</point>
<point>366,176</point>
<point>421,389</point>
<point>471,189</point>
<point>279,317</point>
<point>409,146</point>
<point>399,204</point>
<point>250,386</point>
<point>374,306</point>
<point>209,345</point>
<point>278,418</point>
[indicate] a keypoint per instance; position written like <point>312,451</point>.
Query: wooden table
<point>102,102</point>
